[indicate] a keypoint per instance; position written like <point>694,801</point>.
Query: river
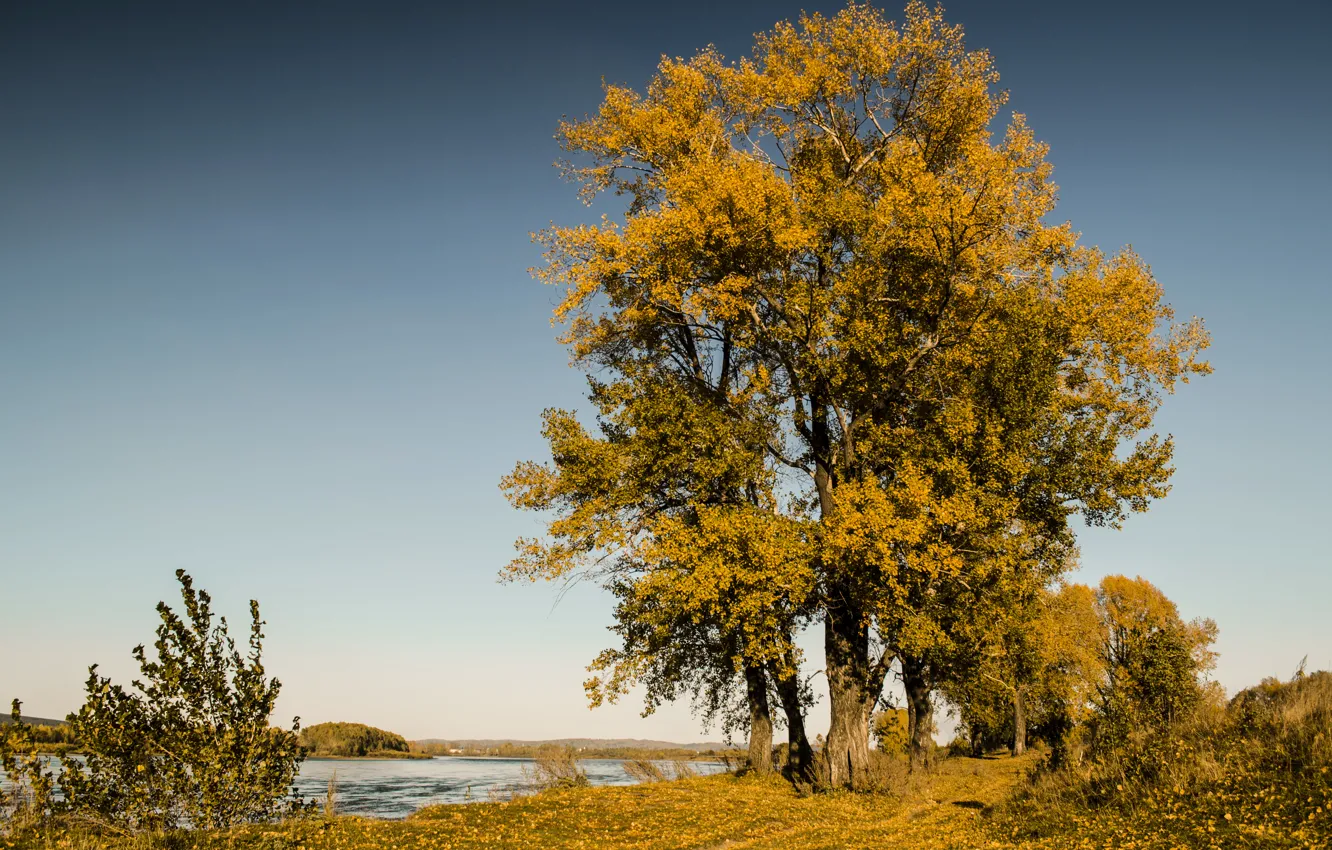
<point>394,788</point>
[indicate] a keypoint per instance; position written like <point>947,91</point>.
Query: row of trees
<point>1084,666</point>
<point>847,374</point>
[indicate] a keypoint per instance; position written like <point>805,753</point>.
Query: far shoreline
<point>426,757</point>
<point>375,757</point>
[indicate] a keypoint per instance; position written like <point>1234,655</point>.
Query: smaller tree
<point>1033,671</point>
<point>190,743</point>
<point>1070,669</point>
<point>1153,659</point>
<point>889,731</point>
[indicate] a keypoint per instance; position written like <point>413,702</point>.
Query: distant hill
<point>577,743</point>
<point>33,721</point>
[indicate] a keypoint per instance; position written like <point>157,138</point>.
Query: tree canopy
<point>841,256</point>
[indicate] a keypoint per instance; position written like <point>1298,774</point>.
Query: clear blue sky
<point>265,315</point>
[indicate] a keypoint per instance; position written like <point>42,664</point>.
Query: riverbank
<point>377,755</point>
<point>965,804</point>
<point>585,749</point>
<point>943,811</point>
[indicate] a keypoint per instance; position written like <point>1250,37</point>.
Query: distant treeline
<point>508,749</point>
<point>47,736</point>
<point>352,740</point>
<point>357,740</point>
<point>31,721</point>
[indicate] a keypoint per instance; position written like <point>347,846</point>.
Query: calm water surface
<point>394,788</point>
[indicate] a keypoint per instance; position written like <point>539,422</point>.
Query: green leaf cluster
<point>189,742</point>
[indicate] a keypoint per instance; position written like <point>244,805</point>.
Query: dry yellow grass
<point>710,812</point>
<point>949,810</point>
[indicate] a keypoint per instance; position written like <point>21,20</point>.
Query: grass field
<point>1220,791</point>
<point>953,809</point>
<point>710,812</point>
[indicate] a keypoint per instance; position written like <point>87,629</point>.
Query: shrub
<point>556,767</point>
<point>1287,726</point>
<point>1257,766</point>
<point>644,770</point>
<point>30,799</point>
<point>1157,684</point>
<point>890,773</point>
<point>190,742</point>
<point>1154,663</point>
<point>960,746</point>
<point>889,731</point>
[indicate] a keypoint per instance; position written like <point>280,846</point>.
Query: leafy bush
<point>556,767</point>
<point>1156,685</point>
<point>1260,766</point>
<point>644,770</point>
<point>889,731</point>
<point>190,743</point>
<point>1154,666</point>
<point>30,799</point>
<point>960,746</point>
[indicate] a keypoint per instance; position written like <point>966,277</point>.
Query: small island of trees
<point>354,740</point>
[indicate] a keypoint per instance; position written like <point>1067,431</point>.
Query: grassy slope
<point>1238,809</point>
<point>945,812</point>
<point>712,812</point>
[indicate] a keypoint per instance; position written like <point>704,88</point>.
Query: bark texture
<point>760,721</point>
<point>846,645</point>
<point>920,712</point>
<point>1019,722</point>
<point>801,758</point>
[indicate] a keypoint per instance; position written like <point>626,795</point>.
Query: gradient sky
<point>265,315</point>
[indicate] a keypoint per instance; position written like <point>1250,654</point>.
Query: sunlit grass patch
<point>951,809</point>
<point>702,812</point>
<point>1255,774</point>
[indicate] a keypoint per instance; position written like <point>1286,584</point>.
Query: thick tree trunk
<point>1019,722</point>
<point>760,721</point>
<point>846,645</point>
<point>801,758</point>
<point>846,632</point>
<point>977,741</point>
<point>911,723</point>
<point>920,712</point>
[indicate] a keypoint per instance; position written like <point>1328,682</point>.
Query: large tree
<point>829,235</point>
